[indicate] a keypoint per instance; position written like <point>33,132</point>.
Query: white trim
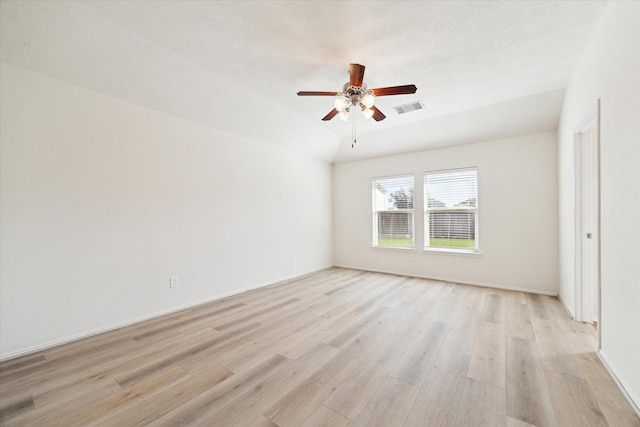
<point>443,251</point>
<point>98,331</point>
<point>634,401</point>
<point>583,304</point>
<point>577,224</point>
<point>589,118</point>
<point>566,307</point>
<point>462,282</point>
<point>599,228</point>
<point>396,248</point>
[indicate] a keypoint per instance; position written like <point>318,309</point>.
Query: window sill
<point>441,251</point>
<point>395,248</point>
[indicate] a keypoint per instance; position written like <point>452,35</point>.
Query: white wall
<point>610,70</point>
<point>517,197</point>
<point>102,201</point>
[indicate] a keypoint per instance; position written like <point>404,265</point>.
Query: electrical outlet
<point>412,258</point>
<point>173,282</point>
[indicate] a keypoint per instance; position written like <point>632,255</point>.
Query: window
<point>451,210</point>
<point>393,212</point>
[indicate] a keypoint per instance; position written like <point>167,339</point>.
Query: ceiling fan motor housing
<point>355,93</point>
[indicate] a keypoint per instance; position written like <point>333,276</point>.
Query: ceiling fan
<point>356,94</point>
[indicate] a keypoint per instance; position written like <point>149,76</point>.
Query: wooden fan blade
<point>377,114</point>
<point>331,115</point>
<point>312,93</point>
<point>395,90</point>
<point>356,75</point>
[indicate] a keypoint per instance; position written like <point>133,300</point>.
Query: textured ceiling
<point>484,70</point>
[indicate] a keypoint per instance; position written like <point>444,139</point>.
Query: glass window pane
<point>393,211</point>
<point>451,209</point>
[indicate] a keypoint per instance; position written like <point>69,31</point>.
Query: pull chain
<point>353,129</point>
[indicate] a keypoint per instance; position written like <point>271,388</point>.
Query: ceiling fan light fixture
<point>367,113</point>
<point>341,102</point>
<point>344,115</point>
<point>368,99</point>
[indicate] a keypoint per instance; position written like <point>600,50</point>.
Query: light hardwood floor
<point>336,348</point>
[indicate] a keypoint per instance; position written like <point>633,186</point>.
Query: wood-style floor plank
<point>488,357</point>
<point>389,406</point>
<point>300,403</point>
<point>600,382</point>
<point>416,363</point>
<point>518,322</point>
<point>482,405</point>
<point>439,399</point>
<point>573,401</point>
<point>354,391</point>
<point>619,417</point>
<point>513,422</point>
<point>463,333</point>
<point>204,406</point>
<point>325,417</point>
<point>527,392</point>
<point>554,348</point>
<point>125,399</point>
<point>338,347</point>
<point>263,422</point>
<point>494,309</point>
<point>175,396</point>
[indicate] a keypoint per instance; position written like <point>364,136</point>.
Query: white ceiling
<point>484,70</point>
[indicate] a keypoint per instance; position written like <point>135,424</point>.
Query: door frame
<point>584,294</point>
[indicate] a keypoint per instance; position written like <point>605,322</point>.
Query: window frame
<point>427,211</point>
<point>375,212</point>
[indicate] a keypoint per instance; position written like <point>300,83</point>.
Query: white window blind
<point>451,210</point>
<point>393,211</point>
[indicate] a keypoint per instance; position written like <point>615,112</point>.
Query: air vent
<point>407,108</point>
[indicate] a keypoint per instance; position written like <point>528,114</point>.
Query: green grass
<point>395,242</point>
<point>452,243</point>
<point>433,243</point>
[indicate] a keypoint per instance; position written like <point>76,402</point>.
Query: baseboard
<point>98,331</point>
<point>463,282</point>
<point>566,307</point>
<point>635,403</point>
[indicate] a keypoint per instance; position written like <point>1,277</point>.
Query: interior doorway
<point>587,218</point>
